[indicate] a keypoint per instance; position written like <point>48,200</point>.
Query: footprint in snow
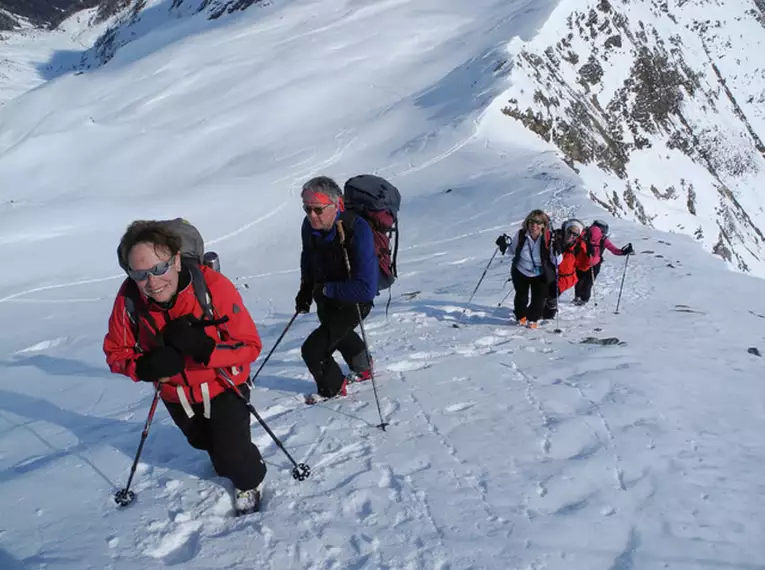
<point>408,366</point>
<point>429,355</point>
<point>180,545</point>
<point>488,341</point>
<point>461,407</point>
<point>474,350</point>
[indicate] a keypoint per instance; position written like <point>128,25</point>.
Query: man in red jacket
<point>168,346</point>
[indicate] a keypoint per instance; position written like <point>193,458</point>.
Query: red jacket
<point>572,253</point>
<point>596,238</point>
<point>238,341</point>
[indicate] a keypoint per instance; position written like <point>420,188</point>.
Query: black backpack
<point>378,202</point>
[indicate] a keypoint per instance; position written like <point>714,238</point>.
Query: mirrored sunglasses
<point>318,210</point>
<point>158,271</point>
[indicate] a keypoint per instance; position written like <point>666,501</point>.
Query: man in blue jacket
<point>324,278</point>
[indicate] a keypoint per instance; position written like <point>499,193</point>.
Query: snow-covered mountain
<point>627,441</point>
<point>658,105</point>
<point>47,14</point>
<point>136,18</point>
<point>82,40</point>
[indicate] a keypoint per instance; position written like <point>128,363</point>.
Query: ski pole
<point>557,301</point>
<point>592,288</point>
<point>505,297</point>
<point>251,381</point>
<point>621,287</point>
<point>382,425</point>
<point>300,471</point>
<point>459,321</point>
<point>125,496</point>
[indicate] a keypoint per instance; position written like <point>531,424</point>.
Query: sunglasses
<point>158,271</point>
<point>574,233</point>
<point>537,222</point>
<point>318,210</point>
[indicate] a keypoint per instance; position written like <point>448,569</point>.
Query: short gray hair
<point>323,185</point>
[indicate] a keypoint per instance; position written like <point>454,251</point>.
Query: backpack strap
<point>135,309</point>
<point>519,247</point>
<point>348,218</point>
<point>201,291</point>
<point>587,235</point>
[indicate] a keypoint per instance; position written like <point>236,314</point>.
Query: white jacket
<point>530,259</point>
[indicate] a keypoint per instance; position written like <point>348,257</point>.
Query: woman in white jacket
<point>534,267</point>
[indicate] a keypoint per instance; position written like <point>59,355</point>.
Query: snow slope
<point>507,448</point>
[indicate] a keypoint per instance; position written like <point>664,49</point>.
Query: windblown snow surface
<point>507,448</point>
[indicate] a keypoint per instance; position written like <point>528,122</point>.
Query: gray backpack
<point>192,245</point>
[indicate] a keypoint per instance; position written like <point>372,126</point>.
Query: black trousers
<point>225,437</point>
<point>586,279</point>
<point>335,333</point>
<point>523,285</point>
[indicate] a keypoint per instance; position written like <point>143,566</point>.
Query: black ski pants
<point>225,437</point>
<point>586,279</point>
<point>335,333</point>
<point>523,285</point>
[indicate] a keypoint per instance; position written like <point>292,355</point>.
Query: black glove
<point>303,301</point>
<point>318,292</point>
<point>189,338</point>
<point>628,250</point>
<point>556,244</point>
<point>162,362</point>
<point>502,243</point>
